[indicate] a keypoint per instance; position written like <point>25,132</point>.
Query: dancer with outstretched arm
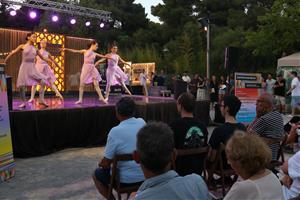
<point>44,68</point>
<point>89,73</point>
<point>28,74</point>
<point>114,73</point>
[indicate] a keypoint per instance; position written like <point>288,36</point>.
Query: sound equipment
<point>231,58</point>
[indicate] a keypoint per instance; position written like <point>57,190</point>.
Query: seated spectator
<point>189,133</point>
<point>155,152</point>
<point>121,140</point>
<point>293,133</point>
<point>230,106</point>
<point>268,123</point>
<point>291,180</point>
<point>248,155</point>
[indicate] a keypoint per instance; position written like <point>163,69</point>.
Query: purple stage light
<point>102,25</point>
<point>32,14</point>
<point>73,21</point>
<point>13,13</point>
<point>88,23</point>
<point>54,18</point>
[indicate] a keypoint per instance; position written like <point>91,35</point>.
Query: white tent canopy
<point>289,61</point>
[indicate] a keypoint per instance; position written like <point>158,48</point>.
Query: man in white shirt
<point>185,77</point>
<point>270,84</point>
<point>295,90</point>
<point>291,180</point>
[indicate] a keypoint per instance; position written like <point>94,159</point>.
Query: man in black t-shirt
<point>229,108</point>
<point>279,93</point>
<point>189,133</point>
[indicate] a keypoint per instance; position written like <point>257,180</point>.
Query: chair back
<point>201,152</point>
<point>115,177</point>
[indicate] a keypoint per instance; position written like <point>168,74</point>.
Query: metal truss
<point>68,8</point>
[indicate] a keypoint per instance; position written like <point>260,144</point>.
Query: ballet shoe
<point>103,100</point>
<point>23,105</point>
<point>43,103</point>
<point>30,100</point>
<point>78,102</point>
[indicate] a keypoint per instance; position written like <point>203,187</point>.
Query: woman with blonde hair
<point>249,156</point>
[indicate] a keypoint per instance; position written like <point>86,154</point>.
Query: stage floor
<point>88,102</point>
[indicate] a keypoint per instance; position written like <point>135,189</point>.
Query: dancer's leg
<point>146,90</point>
<point>126,89</point>
<point>57,93</point>
<point>81,90</point>
<point>23,97</point>
<point>98,90</point>
<point>42,94</point>
<point>107,91</point>
<point>33,89</point>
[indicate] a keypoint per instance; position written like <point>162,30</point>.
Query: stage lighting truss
<point>63,8</point>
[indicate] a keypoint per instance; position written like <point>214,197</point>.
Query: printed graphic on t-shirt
<point>194,138</point>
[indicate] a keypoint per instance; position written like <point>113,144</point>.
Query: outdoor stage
<point>37,130</point>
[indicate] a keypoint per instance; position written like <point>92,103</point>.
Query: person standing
<point>89,73</point>
<point>295,91</point>
<point>114,73</point>
<point>143,81</point>
<point>193,85</point>
<point>28,74</point>
<point>279,92</point>
<point>270,84</point>
<point>44,68</point>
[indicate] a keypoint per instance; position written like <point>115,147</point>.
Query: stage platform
<point>38,130</point>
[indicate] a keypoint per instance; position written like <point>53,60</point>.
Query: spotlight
<point>13,13</point>
<point>45,30</point>
<point>102,25</point>
<point>32,14</point>
<point>54,18</point>
<point>73,21</point>
<point>88,23</point>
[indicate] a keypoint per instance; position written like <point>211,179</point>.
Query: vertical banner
<point>7,165</point>
<point>247,89</point>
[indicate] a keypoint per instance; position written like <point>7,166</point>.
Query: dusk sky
<point>147,4</point>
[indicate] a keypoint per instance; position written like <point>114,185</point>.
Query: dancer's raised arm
<point>100,61</point>
<point>123,61</point>
<point>13,52</point>
<point>107,56</point>
<point>74,50</point>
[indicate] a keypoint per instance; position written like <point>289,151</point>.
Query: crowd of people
<point>248,151</point>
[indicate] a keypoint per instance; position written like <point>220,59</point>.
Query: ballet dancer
<point>114,73</point>
<point>89,73</point>
<point>44,68</point>
<point>28,74</point>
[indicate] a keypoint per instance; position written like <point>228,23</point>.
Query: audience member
<point>161,78</point>
<point>185,77</point>
<point>295,91</point>
<point>121,140</point>
<point>268,123</point>
<point>214,90</point>
<point>270,82</point>
<point>248,155</point>
<point>189,133</point>
<point>229,108</point>
<point>279,92</point>
<point>222,88</point>
<point>193,85</point>
<point>291,180</point>
<point>155,152</point>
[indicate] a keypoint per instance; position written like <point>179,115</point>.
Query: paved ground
<point>62,175</point>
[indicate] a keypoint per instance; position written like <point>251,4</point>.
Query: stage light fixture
<point>54,18</point>
<point>45,30</point>
<point>73,21</point>
<point>88,23</point>
<point>102,25</point>
<point>13,13</point>
<point>32,14</point>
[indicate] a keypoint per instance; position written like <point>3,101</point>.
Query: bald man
<point>268,123</point>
